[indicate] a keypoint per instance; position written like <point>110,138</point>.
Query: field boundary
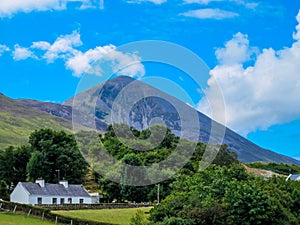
<point>94,206</point>
<point>45,214</point>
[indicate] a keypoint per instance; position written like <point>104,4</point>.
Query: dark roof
<point>295,177</point>
<point>56,189</point>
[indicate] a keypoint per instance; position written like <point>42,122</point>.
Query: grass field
<point>17,219</point>
<point>116,216</point>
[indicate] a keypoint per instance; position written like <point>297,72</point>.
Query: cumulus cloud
<point>21,53</point>
<point>261,95</point>
<point>210,13</point>
<point>92,61</point>
<point>82,61</point>
<point>236,51</point>
<point>42,45</point>
<point>64,47</point>
<point>3,48</point>
<point>8,8</point>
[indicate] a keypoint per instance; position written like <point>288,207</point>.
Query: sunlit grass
<point>17,219</point>
<point>115,216</point>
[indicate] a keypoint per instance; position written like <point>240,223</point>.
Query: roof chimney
<point>65,183</point>
<point>41,182</point>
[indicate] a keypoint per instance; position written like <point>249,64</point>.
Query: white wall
<point>33,199</point>
<point>20,195</point>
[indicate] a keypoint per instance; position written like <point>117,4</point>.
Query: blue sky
<point>251,47</point>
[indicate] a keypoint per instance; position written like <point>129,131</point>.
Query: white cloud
<point>261,95</point>
<point>201,2</point>
<point>9,7</point>
<point>157,2</point>
<point>236,50</point>
<point>21,53</point>
<point>92,61</point>
<point>82,62</point>
<point>63,47</point>
<point>42,45</point>
<point>249,5</point>
<point>3,48</point>
<point>210,13</point>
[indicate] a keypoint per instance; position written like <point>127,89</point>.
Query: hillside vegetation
<point>17,122</point>
<point>280,168</point>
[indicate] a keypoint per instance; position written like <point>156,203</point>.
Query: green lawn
<point>17,219</point>
<point>116,216</point>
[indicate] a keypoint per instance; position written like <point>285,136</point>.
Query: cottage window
<point>39,200</point>
<point>54,200</point>
<point>62,201</point>
<point>70,200</point>
<point>81,201</point>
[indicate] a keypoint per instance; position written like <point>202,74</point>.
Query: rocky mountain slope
<point>157,105</point>
<point>100,105</point>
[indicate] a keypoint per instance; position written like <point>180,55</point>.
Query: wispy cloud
<point>3,48</point>
<point>9,8</point>
<point>247,4</point>
<point>21,53</point>
<point>201,2</point>
<point>157,2</point>
<point>210,13</point>
<point>261,95</point>
<point>66,47</point>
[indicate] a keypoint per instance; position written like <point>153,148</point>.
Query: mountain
<point>17,121</point>
<point>104,103</point>
<point>157,105</point>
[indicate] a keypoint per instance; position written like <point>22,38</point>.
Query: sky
<point>251,49</point>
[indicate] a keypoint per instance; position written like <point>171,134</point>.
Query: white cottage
<point>44,193</point>
<point>293,177</point>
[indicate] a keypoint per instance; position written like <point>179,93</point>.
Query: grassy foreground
<point>116,216</point>
<point>17,219</point>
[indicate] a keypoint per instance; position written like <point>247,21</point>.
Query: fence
<point>45,214</point>
<point>94,206</point>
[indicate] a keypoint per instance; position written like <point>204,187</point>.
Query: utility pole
<point>58,175</point>
<point>158,194</point>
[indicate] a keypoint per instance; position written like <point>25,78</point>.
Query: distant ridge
<point>17,121</point>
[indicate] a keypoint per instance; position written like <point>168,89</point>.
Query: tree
<point>4,193</point>
<point>37,167</point>
<point>22,156</point>
<point>133,193</point>
<point>227,195</point>
<point>7,162</point>
<point>55,150</point>
<point>138,219</point>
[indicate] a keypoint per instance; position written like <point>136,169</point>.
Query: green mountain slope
<point>17,121</point>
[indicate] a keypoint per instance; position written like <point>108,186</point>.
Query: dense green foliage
<point>281,168</point>
<point>222,194</point>
<point>130,153</point>
<point>48,151</point>
<point>228,195</point>
<point>13,162</point>
<point>52,151</point>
